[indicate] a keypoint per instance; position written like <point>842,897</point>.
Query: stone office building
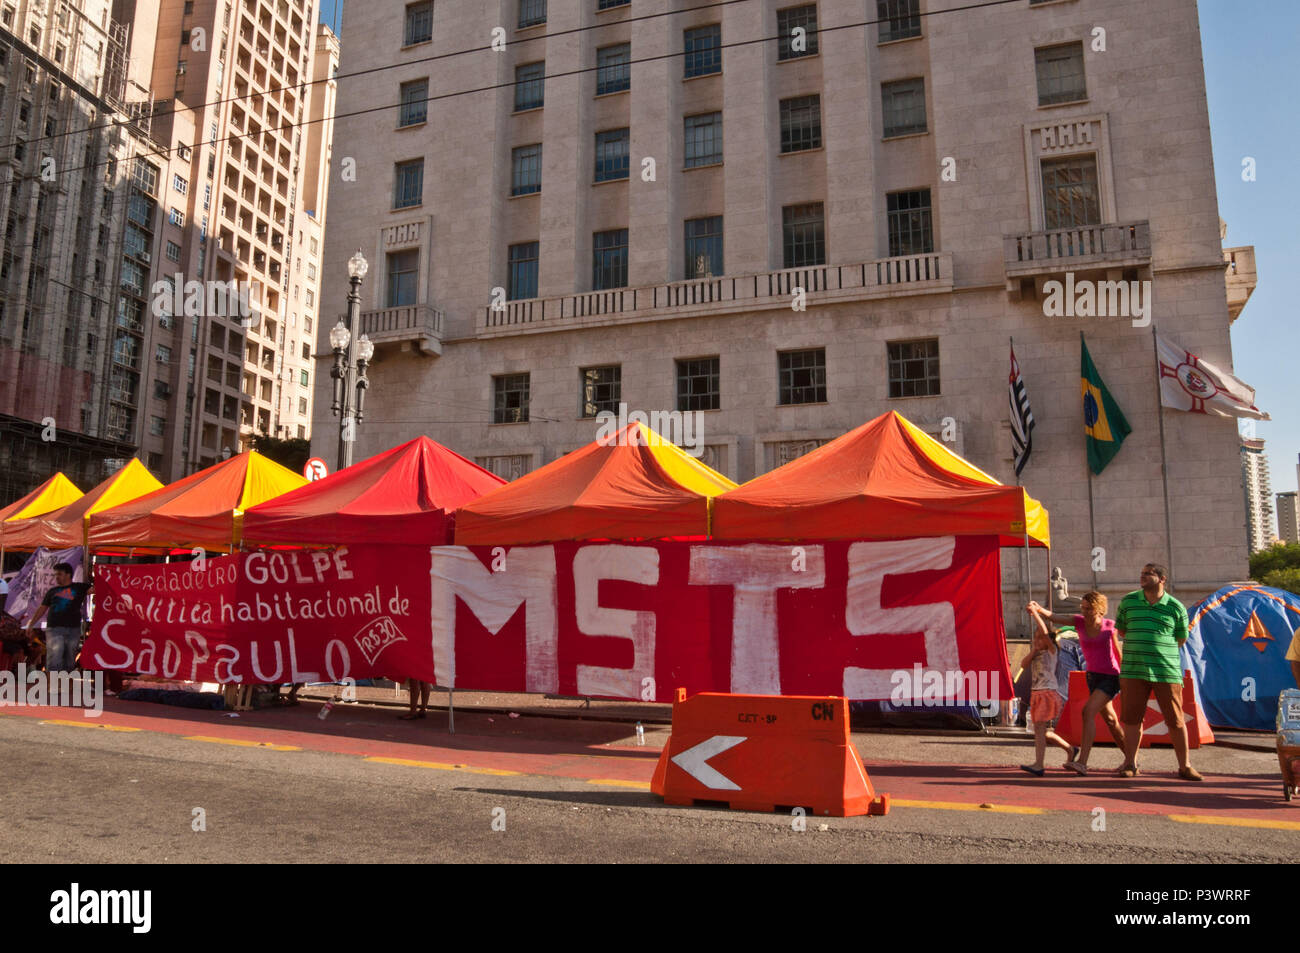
<point>792,218</point>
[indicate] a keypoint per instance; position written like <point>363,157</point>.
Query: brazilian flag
<point>1103,421</point>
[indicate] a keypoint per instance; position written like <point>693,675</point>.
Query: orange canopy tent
<point>885,480</point>
<point>201,510</point>
<point>55,492</point>
<point>66,526</point>
<point>632,485</point>
<point>404,495</point>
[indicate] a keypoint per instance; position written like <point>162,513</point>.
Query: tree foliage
<point>1274,558</point>
<point>292,453</point>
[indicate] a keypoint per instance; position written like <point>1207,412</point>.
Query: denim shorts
<point>1106,683</point>
<point>61,644</point>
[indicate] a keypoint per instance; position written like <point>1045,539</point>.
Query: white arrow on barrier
<point>693,762</point>
<point>1160,727</point>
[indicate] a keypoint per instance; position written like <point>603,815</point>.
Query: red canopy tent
<point>66,526</point>
<point>884,480</point>
<point>57,491</point>
<point>201,510</point>
<point>633,485</point>
<point>404,495</point>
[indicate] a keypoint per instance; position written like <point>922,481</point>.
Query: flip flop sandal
<point>1080,769</point>
<point>1036,772</point>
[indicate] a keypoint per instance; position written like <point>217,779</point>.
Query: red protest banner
<point>618,620</point>
<point>266,617</point>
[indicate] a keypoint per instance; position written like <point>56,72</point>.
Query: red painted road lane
<point>379,734</point>
<point>1158,790</point>
<point>589,754</point>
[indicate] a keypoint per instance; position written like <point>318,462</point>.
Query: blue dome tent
<point>1237,653</point>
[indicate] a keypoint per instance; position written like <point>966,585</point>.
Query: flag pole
<point>1027,567</point>
<point>1164,463</point>
<point>1092,519</point>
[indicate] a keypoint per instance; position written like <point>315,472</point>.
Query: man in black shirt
<point>63,630</point>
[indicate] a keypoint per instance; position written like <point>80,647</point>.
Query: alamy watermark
<point>682,427</point>
<point>38,689</point>
<point>1098,299</point>
<point>926,687</point>
<point>227,299</point>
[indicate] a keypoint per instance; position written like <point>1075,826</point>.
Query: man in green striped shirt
<point>1153,625</point>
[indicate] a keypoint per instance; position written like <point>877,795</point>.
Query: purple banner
<point>28,588</point>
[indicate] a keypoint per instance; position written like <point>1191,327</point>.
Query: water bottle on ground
<point>640,734</point>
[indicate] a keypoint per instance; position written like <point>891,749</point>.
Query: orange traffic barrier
<point>763,752</point>
<point>1154,731</point>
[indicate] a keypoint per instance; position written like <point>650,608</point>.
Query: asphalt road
<point>77,794</point>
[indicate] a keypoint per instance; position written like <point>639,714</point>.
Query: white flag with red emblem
<point>1197,386</point>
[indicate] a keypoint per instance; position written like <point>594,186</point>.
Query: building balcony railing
<point>1064,249</point>
<point>1032,257</point>
<point>929,273</point>
<point>420,325</point>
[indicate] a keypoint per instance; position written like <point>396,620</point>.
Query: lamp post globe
<point>340,336</point>
<point>358,266</point>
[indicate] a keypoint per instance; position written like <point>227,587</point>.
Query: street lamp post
<point>341,340</point>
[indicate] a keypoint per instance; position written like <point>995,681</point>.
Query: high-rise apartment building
<point>1258,494</point>
<point>73,348</point>
<point>164,209</point>
<point>791,218</point>
<point>242,99</point>
<point>1288,518</point>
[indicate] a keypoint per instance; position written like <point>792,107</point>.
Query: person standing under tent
<point>63,601</point>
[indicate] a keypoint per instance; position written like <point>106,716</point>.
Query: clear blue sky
<point>1253,82</point>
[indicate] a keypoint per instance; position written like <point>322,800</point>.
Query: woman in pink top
<point>1101,657</point>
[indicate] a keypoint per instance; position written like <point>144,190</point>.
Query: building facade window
<point>611,155</point>
<point>526,169</point>
<point>899,19</point>
<point>801,123</point>
<point>403,279</point>
<point>415,106</point>
<point>419,24</point>
<point>176,217</point>
<point>531,13</point>
<point>914,368</point>
<point>613,69</point>
<point>611,4</point>
<point>803,235</point>
<point>173,251</point>
<point>609,260</point>
<point>801,376</point>
<point>703,139</point>
<point>698,384</point>
<point>522,281</point>
<point>903,103</point>
<point>510,399</point>
<point>530,86</point>
<point>704,247</point>
<point>180,184</point>
<point>1060,74</point>
<point>910,230</point>
<point>1070,195</point>
<point>602,389</point>
<point>304,377</point>
<point>792,45</point>
<point>157,426</point>
<point>408,183</point>
<point>703,50</point>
